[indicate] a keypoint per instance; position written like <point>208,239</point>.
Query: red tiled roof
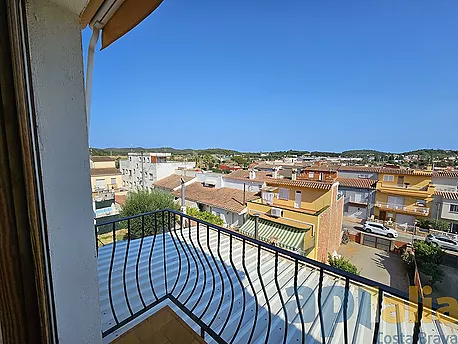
<point>260,176</point>
<point>321,168</point>
<point>301,183</point>
<point>224,198</point>
<point>120,199</point>
<point>447,194</point>
<point>446,174</point>
<point>109,171</point>
<point>357,182</point>
<point>102,158</point>
<point>171,182</point>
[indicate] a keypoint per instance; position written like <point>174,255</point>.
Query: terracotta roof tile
<point>357,182</point>
<point>300,183</point>
<point>109,171</point>
<point>120,199</point>
<point>224,198</point>
<point>171,182</point>
<point>446,174</point>
<point>260,176</point>
<point>102,158</point>
<point>447,194</point>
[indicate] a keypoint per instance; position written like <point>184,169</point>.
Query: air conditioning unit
<point>277,212</point>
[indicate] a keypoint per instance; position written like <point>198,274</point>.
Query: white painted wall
<point>446,214</point>
<point>210,178</point>
<point>238,184</point>
<point>57,72</point>
<point>445,184</point>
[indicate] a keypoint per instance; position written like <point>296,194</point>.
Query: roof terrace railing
<point>235,288</point>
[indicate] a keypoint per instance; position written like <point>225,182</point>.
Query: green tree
<point>429,260</point>
<point>342,264</point>
<point>141,202</point>
<point>205,216</point>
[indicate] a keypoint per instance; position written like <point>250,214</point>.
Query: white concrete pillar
<point>57,79</point>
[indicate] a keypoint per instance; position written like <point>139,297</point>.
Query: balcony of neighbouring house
<point>407,209</point>
<point>406,189</point>
<point>231,288</point>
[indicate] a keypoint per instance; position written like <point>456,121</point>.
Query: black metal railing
<point>235,288</point>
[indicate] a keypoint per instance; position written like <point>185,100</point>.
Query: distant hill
<point>435,153</point>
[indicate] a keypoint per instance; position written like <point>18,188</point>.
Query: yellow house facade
<point>104,174</point>
<point>403,195</point>
<point>310,209</point>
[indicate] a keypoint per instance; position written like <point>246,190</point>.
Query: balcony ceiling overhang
<point>129,14</point>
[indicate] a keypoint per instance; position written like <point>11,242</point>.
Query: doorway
<point>382,215</point>
<point>297,199</point>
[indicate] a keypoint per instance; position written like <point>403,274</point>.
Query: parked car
<point>442,241</point>
<point>378,228</point>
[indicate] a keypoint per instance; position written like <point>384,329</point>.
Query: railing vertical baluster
<point>320,308</point>
<point>163,251</point>
<point>281,297</point>
<point>345,306</point>
<point>378,316</point>
<point>265,294</point>
<point>222,280</point>
<point>125,267</point>
<point>188,270</point>
<point>150,258</point>
<point>195,263</point>
<point>299,309</point>
<point>203,267</point>
<point>110,275</point>
<point>211,270</point>
<point>243,291</point>
<point>231,305</point>
<point>138,261</point>
<point>176,248</point>
<point>247,274</point>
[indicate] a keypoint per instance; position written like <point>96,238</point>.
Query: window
<point>113,181</point>
<point>311,174</point>
<point>283,193</point>
<point>454,208</point>
<point>100,183</point>
<point>388,178</point>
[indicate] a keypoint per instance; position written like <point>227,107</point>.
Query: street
<point>403,236</point>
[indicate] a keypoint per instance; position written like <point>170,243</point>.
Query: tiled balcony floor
<point>163,327</point>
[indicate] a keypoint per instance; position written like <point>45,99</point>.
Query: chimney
<point>252,174</point>
<point>293,174</point>
<point>275,173</point>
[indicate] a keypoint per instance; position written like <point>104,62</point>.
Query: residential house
<point>403,195</point>
<point>62,288</point>
<point>142,170</point>
<point>251,181</point>
<point>301,215</point>
<point>104,174</point>
<point>360,172</point>
<point>227,203</point>
<point>445,204</point>
<point>318,173</point>
<point>359,196</point>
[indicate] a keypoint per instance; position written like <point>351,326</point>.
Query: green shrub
<point>429,259</point>
<point>205,216</point>
<point>424,223</point>
<point>342,264</point>
<point>141,202</point>
<point>441,225</point>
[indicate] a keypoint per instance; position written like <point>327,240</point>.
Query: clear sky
<point>263,75</point>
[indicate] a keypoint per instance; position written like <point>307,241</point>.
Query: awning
<point>129,14</point>
<point>284,236</point>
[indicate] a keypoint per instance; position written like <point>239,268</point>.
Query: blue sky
<point>269,75</point>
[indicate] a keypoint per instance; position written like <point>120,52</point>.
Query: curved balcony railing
<point>236,289</point>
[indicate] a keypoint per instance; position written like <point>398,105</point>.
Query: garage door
<point>405,219</point>
<point>376,242</point>
<point>357,212</point>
